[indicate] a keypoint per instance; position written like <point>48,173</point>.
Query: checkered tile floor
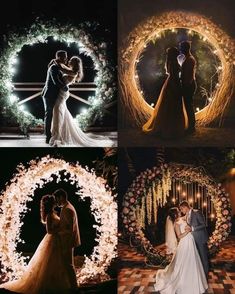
<point>136,277</point>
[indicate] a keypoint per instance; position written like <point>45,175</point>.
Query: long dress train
<point>169,117</point>
<point>185,274</point>
<point>65,130</point>
<point>46,272</point>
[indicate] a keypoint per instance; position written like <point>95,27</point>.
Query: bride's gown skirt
<point>169,117</point>
<point>45,273</point>
<point>65,130</point>
<point>185,274</point>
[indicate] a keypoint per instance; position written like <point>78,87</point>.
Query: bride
<point>185,273</point>
<point>169,117</point>
<point>45,273</point>
<point>65,131</point>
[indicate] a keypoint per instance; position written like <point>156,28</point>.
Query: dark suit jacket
<point>197,221</point>
<point>54,82</point>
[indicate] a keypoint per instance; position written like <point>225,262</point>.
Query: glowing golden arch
<point>135,43</point>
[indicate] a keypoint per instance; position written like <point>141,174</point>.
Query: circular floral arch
<point>161,177</point>
<point>151,28</point>
<point>21,189</point>
<point>38,33</point>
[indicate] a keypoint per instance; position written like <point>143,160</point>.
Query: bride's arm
<point>67,70</point>
<point>178,232</point>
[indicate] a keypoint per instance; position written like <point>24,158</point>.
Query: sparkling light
<point>105,82</point>
<point>13,98</point>
<point>20,191</point>
<point>133,47</point>
<point>138,191</point>
<point>84,110</point>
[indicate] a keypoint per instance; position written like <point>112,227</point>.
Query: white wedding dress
<point>46,272</point>
<point>65,130</point>
<point>185,274</point>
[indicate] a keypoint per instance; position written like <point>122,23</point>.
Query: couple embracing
<point>51,269</point>
<point>186,238</point>
<point>173,115</point>
<point>60,127</point>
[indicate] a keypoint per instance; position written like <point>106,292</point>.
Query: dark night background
<point>33,230</point>
<point>33,60</point>
<point>216,161</point>
<point>131,13</point>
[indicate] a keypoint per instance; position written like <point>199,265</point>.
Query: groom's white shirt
<point>69,230</point>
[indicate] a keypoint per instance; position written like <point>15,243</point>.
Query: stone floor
<point>203,137</point>
<point>137,277</point>
<point>38,140</point>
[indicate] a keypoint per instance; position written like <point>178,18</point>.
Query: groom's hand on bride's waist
<point>65,88</point>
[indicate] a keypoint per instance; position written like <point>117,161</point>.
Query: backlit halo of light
<point>134,45</point>
<point>89,46</point>
<point>20,190</point>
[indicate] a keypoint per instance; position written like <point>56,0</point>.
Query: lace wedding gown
<point>185,273</point>
<point>65,130</point>
<point>45,273</point>
<point>169,117</point>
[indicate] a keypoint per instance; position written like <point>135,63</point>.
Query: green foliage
<point>38,32</point>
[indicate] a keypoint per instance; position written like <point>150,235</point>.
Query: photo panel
<point>58,218</point>
<point>176,73</point>
<point>59,71</point>
<point>176,220</point>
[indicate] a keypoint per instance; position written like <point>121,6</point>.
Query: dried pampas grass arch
<point>151,28</point>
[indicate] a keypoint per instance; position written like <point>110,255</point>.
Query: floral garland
<point>151,29</point>
<point>20,191</point>
<point>187,174</point>
<point>38,33</point>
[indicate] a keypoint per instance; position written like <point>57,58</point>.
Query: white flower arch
<point>81,35</point>
<point>160,177</point>
<point>21,189</point>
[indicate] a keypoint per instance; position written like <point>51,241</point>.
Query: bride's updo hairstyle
<point>76,64</point>
<point>173,213</point>
<point>46,206</point>
<point>172,65</point>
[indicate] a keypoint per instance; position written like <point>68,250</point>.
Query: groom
<point>69,233</point>
<point>54,83</point>
<point>196,221</point>
<point>188,80</point>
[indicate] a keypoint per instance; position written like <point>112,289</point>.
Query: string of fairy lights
<point>152,29</point>
<point>155,187</point>
<point>206,93</point>
<point>87,45</point>
<point>20,190</point>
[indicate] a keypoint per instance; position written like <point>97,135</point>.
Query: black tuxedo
<point>54,82</point>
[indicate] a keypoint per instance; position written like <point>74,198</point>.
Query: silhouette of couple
<point>173,115</point>
<point>60,127</point>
